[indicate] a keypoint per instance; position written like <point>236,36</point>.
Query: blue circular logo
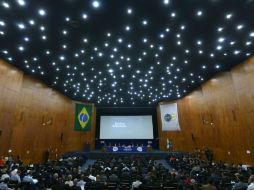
<point>83,117</point>
<point>168,117</point>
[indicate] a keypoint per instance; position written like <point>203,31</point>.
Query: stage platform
<point>157,154</point>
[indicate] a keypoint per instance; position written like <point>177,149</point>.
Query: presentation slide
<point>126,127</point>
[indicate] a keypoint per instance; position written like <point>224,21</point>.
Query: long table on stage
<point>102,153</point>
<point>126,149</point>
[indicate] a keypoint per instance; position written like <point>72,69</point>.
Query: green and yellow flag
<point>83,117</point>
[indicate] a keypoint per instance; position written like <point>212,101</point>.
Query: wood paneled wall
<point>34,118</point>
<point>218,115</point>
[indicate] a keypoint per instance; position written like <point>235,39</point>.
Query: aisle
<point>165,164</point>
<point>87,164</point>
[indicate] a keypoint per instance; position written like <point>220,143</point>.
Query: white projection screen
<point>126,127</point>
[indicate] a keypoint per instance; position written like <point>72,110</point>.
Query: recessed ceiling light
<point>219,47</point>
<point>219,29</point>
<point>42,12</point>
<point>21,48</point>
<point>239,27</point>
<point>64,32</point>
<point>2,23</point>
<point>31,22</point>
<point>6,5</point>
<point>199,42</point>
<point>129,11</point>
<point>127,28</point>
<point>5,52</point>
<point>26,39</point>
<point>199,13</point>
<point>221,39</point>
<point>229,16</point>
<point>182,27</point>
<point>144,22</point>
<point>62,58</point>
<point>21,26</point>
<point>84,16</point>
<point>166,2</point>
<point>42,28</point>
<point>67,19</point>
<point>236,52</point>
<point>21,2</point>
<point>120,40</point>
<point>248,43</point>
<point>96,4</point>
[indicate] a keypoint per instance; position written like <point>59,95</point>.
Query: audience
<point>251,183</point>
<point>127,172</point>
<point>240,185</point>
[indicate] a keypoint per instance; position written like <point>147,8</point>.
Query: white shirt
<point>5,176</point>
<point>251,186</point>
<point>136,184</point>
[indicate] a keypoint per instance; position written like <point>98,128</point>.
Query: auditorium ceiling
<point>125,52</point>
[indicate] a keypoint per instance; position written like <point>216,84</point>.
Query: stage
<point>157,154</point>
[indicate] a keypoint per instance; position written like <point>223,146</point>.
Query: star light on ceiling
<point>121,53</point>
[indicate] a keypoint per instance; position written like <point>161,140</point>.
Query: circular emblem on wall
<point>139,149</point>
<point>115,149</point>
<point>169,117</point>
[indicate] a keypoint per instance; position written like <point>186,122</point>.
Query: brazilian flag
<point>83,117</point>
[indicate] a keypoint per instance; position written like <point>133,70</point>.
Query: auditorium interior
<point>130,94</point>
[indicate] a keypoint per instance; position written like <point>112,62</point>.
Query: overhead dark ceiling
<point>126,52</point>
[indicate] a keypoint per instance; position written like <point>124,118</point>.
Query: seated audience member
<point>69,181</point>
<point>251,183</point>
<point>209,185</point>
<point>102,177</point>
<point>81,183</point>
<point>136,184</point>
<point>56,183</point>
<point>2,162</point>
<point>125,168</point>
<point>15,176</point>
<point>28,178</point>
<point>113,178</point>
<point>241,185</point>
<point>9,161</point>
<point>75,186</point>
<point>92,178</point>
<point>4,184</point>
<point>5,176</point>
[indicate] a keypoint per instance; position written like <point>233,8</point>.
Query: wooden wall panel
<point>219,115</point>
<point>25,104</point>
